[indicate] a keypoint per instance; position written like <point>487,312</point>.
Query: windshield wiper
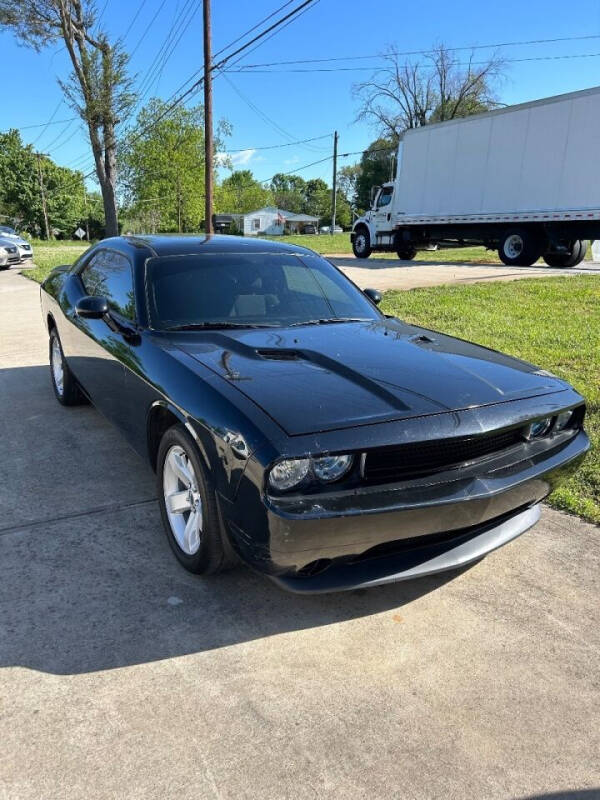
<point>329,321</point>
<point>213,326</point>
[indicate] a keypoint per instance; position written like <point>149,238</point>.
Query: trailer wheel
<point>406,252</point>
<point>570,258</point>
<point>361,244</point>
<point>519,248</point>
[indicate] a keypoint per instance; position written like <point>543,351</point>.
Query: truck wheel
<point>570,258</point>
<point>406,252</point>
<point>519,248</point>
<point>361,245</point>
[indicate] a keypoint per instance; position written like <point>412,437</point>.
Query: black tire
<point>520,247</point>
<point>213,555</point>
<point>67,392</point>
<point>407,252</point>
<point>361,244</point>
<point>570,259</point>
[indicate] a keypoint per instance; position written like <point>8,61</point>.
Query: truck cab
<point>375,230</point>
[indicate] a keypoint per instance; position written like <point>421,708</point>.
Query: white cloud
<point>236,159</point>
<point>290,161</point>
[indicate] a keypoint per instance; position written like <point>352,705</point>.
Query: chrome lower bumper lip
<point>416,563</point>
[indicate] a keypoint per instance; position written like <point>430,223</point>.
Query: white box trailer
<point>524,179</point>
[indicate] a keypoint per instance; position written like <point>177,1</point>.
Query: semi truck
<point>523,180</point>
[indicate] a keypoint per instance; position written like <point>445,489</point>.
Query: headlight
<point>562,420</point>
<point>330,468</point>
<point>288,473</point>
<point>291,472</point>
<point>539,428</point>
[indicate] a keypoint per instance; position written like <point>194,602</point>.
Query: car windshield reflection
<point>226,290</point>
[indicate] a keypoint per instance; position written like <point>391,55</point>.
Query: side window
<point>108,274</point>
<point>385,197</point>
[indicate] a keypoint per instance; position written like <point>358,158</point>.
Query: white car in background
<point>9,253</point>
<point>24,248</point>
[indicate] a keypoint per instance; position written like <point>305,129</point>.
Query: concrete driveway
<point>122,676</point>
<point>385,273</point>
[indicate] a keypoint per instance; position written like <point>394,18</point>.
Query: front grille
<point>423,458</point>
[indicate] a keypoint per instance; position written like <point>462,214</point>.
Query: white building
<point>270,221</point>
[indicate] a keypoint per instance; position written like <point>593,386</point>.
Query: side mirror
<point>91,307</point>
<point>373,194</point>
<point>373,295</point>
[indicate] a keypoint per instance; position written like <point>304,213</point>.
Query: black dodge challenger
<point>295,427</point>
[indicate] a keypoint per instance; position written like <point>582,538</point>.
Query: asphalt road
<point>122,676</point>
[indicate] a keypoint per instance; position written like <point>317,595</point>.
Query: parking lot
<point>124,676</point>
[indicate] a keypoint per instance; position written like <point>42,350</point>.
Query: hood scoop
<point>279,354</point>
<point>421,339</point>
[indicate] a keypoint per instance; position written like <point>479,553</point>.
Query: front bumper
<point>334,541</point>
<point>415,561</point>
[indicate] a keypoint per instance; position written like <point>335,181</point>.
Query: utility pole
<point>43,194</point>
<point>208,128</point>
<point>334,184</point>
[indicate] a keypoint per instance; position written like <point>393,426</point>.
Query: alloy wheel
<point>183,501</point>
<point>56,360</point>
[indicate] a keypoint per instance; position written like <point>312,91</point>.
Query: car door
<point>98,351</point>
<point>381,213</point>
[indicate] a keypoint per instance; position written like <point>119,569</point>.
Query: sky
<point>276,108</point>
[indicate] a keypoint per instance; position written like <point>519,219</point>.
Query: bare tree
<point>98,88</point>
<point>403,95</point>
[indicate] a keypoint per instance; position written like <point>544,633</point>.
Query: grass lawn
<point>339,244</point>
<point>554,323</point>
<point>48,255</point>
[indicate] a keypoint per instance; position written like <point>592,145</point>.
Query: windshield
<point>250,289</point>
<point>4,229</point>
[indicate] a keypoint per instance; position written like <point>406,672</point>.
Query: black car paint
<point>340,388</point>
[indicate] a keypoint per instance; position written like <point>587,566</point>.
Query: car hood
<point>326,377</point>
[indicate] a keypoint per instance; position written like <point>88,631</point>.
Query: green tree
<point>99,88</point>
<point>347,179</point>
<point>240,193</point>
<point>163,167</point>
<point>317,198</point>
<point>289,192</point>
<point>20,193</point>
<point>375,168</point>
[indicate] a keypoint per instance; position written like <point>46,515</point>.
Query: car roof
<point>212,243</point>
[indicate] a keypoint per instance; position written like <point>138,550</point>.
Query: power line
<point>271,123</point>
<point>273,34</point>
<point>54,113</point>
<point>134,18</point>
<point>298,169</point>
<point>56,138</point>
<point>163,55</point>
<point>425,52</point>
<point>254,27</point>
<point>195,86</point>
<point>192,89</point>
<point>147,28</point>
<point>411,66</point>
<point>275,146</point>
<point>43,124</point>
